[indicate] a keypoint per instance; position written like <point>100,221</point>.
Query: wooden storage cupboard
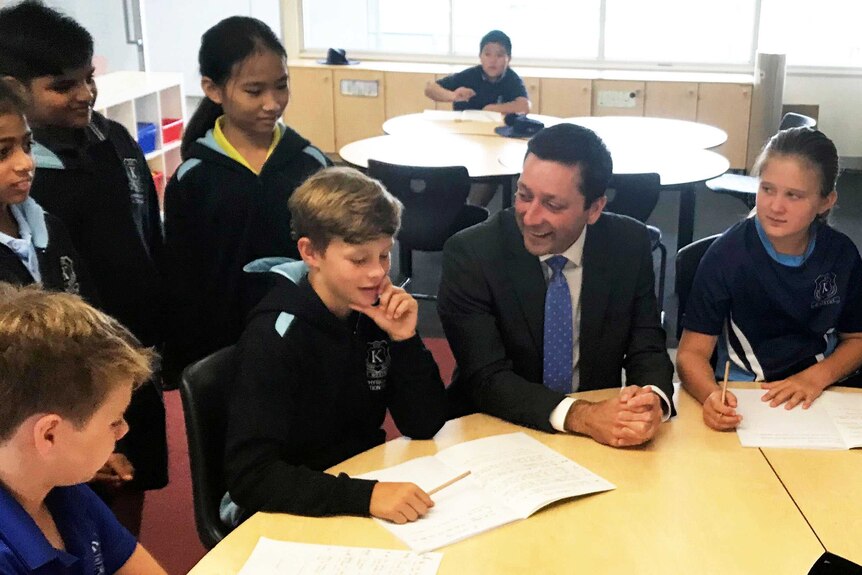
<point>727,106</point>
<point>332,114</point>
<point>675,100</point>
<point>564,97</point>
<point>310,110</point>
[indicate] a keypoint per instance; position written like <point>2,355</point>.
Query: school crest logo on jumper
<point>825,290</point>
<point>98,559</point>
<point>136,184</point>
<point>377,362</point>
<point>70,278</point>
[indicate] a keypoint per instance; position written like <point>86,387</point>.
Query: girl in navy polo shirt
<point>780,292</point>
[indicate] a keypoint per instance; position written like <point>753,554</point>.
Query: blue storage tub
<point>147,136</point>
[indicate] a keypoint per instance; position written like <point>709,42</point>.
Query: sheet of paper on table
<point>463,116</point>
<point>511,477</point>
<point>834,421</point>
<point>271,557</point>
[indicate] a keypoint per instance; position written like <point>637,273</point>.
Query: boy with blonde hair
<point>67,372</point>
<point>324,355</point>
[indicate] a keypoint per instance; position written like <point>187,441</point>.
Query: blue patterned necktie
<point>557,364</point>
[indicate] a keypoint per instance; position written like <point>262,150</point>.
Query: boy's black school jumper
<point>96,180</point>
<point>311,391</point>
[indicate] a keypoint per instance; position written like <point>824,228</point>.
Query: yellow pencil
<point>448,483</point>
<point>724,383</point>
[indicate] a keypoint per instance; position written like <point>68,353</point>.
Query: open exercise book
<point>463,116</point>
<point>511,477</point>
<point>271,557</point>
<point>834,421</point>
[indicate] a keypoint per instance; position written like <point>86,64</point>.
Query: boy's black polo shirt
<point>508,88</point>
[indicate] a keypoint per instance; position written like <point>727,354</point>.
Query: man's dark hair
<point>36,40</point>
<point>574,145</point>
<point>496,37</point>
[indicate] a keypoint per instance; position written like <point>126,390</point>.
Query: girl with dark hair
<point>226,205</point>
<point>34,245</point>
<point>780,292</point>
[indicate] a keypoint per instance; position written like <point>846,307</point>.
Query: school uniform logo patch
<point>98,559</point>
<point>825,290</point>
<point>70,278</point>
<point>136,185</point>
<point>377,362</point>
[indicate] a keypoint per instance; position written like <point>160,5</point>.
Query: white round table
<point>447,122</point>
<point>679,168</point>
<point>619,131</point>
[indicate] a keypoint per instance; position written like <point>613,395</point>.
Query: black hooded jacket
<point>219,216</point>
<point>311,391</point>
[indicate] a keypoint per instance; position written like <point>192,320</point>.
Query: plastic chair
<point>204,389</point>
<point>434,208</point>
<point>687,260</point>
<point>636,195</point>
<point>744,188</point>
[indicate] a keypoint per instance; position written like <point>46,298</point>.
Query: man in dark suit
<point>506,333</point>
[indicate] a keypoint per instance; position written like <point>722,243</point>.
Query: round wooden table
<point>691,501</point>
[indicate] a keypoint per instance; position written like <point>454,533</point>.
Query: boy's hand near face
<point>116,471</point>
<point>395,313</point>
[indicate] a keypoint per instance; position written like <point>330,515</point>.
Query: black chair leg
<point>405,268</point>
<point>405,261</point>
<point>661,275</point>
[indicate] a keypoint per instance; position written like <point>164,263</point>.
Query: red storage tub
<point>159,181</point>
<point>172,129</point>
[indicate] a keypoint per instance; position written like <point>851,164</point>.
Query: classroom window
<point>822,34</point>
<point>572,34</point>
<point>671,31</point>
<point>595,32</point>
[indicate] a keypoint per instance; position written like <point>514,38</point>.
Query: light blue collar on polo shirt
<point>31,227</point>
<point>785,259</point>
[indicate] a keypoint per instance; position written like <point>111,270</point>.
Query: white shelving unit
<point>146,97</point>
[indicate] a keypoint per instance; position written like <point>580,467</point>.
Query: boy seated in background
<point>67,372</point>
<point>329,349</point>
<point>491,86</point>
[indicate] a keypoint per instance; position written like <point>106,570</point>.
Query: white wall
<point>839,97</point>
<point>840,101</point>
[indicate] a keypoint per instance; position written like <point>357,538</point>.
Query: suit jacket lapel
<point>528,280</point>
<point>594,290</point>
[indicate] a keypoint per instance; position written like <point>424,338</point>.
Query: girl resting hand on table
<point>780,293</point>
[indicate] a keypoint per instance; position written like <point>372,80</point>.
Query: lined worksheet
<point>271,557</point>
<point>511,477</point>
<point>834,421</point>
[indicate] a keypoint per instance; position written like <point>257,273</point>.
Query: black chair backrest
<point>687,260</point>
<point>204,388</point>
<point>633,195</point>
<point>432,198</point>
<point>794,120</point>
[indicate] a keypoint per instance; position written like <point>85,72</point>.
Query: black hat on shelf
<point>337,57</point>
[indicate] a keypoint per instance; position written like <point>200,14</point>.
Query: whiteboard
<point>172,31</point>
